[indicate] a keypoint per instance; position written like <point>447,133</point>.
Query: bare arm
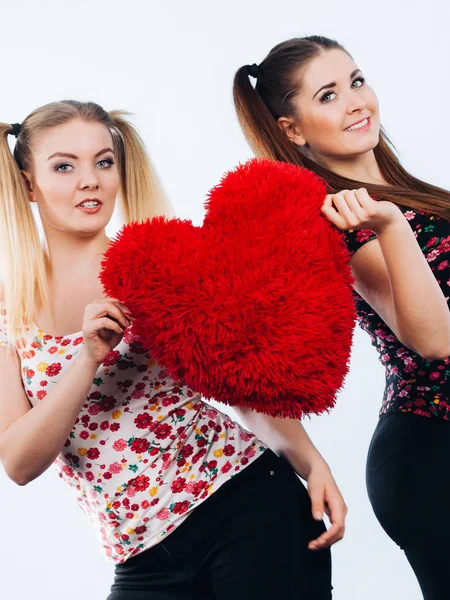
<point>288,438</point>
<point>392,274</point>
<point>31,438</point>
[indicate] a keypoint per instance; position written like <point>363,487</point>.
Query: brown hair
<point>258,109</point>
<point>24,259</point>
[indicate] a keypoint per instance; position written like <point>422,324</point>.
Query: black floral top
<point>413,384</point>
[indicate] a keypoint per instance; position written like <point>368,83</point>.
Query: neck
<point>362,168</point>
<point>70,254</point>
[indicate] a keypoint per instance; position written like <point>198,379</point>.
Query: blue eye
<point>358,82</point>
<point>63,167</point>
<point>106,163</point>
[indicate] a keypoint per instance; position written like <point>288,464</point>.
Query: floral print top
<point>413,384</point>
<point>144,451</point>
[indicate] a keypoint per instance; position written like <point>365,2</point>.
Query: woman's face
<point>74,178</point>
<point>336,111</point>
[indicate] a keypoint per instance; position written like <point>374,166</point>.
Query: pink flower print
<point>94,409</point>
<point>435,375</point>
<point>115,468</point>
<point>363,235</point>
<point>432,255</point>
<point>443,265</point>
<point>409,215</point>
<point>245,437</point>
<point>163,514</point>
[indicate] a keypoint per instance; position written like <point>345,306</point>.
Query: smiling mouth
<point>360,125</point>
<point>90,204</point>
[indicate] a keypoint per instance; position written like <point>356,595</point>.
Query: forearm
<point>420,311</point>
<point>31,444</point>
<point>286,437</point>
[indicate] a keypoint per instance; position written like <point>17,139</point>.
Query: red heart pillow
<point>255,307</point>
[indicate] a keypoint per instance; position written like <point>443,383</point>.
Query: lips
<point>361,124</point>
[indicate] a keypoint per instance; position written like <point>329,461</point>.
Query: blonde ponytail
<point>142,193</point>
<point>23,270</point>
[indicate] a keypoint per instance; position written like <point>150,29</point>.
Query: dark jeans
<point>408,480</point>
<point>247,541</point>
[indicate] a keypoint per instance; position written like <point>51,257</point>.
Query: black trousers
<point>408,480</point>
<point>247,541</point>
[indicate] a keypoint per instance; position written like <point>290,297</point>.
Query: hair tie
<point>16,127</point>
<point>254,70</point>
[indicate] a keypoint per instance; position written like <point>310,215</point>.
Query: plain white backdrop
<point>171,63</point>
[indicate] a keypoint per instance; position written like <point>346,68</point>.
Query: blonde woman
<point>141,452</point>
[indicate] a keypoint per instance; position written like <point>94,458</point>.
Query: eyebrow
<point>68,155</point>
<point>333,83</point>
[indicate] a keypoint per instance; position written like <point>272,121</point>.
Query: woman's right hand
<point>104,324</point>
<point>355,209</point>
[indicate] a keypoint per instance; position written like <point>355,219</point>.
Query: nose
<point>89,180</point>
<point>356,103</point>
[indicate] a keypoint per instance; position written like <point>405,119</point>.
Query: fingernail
<point>318,515</point>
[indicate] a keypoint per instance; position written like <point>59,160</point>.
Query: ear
<point>29,185</point>
<point>293,131</point>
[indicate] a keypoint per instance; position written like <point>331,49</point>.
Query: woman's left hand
<point>326,497</point>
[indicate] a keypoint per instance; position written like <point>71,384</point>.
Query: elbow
<point>19,478</point>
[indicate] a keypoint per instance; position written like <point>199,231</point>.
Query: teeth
<point>358,125</point>
<point>90,204</point>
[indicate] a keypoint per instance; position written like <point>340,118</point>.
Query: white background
<point>172,63</point>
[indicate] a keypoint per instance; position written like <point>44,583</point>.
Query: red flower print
<point>53,369</point>
<point>363,235</point>
<point>93,453</point>
<point>84,435</point>
<point>140,529</point>
<point>115,427</point>
<point>43,383</point>
<point>228,450</point>
<point>212,464</point>
<point>111,358</point>
<point>41,394</point>
<point>143,420</point>
<point>163,430</point>
<point>180,508</point>
<point>178,485</point>
<point>90,476</point>
<point>186,451</point>
<point>107,475</point>
<point>78,341</point>
<point>139,445</point>
<point>65,342</point>
<point>29,373</point>
<point>154,451</point>
<point>53,349</point>
<point>145,504</point>
<point>226,467</point>
<point>104,425</point>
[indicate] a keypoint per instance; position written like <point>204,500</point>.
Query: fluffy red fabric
<point>255,307</point>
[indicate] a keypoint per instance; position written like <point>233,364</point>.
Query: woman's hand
<point>104,323</point>
<point>326,497</point>
<point>355,209</point>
